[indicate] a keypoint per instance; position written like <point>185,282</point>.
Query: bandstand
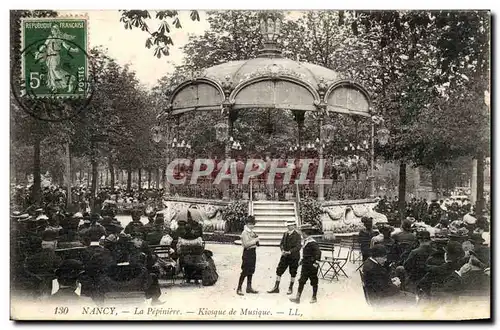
<point>271,81</point>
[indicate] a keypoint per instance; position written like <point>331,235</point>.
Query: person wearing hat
<point>311,254</point>
<point>96,260</point>
<point>365,236</point>
<point>379,285</point>
<point>95,229</point>
<point>415,265</point>
<point>385,239</point>
<point>155,234</point>
<point>151,220</point>
<point>480,250</point>
<point>67,275</point>
<point>290,255</point>
<point>69,234</point>
<point>40,267</point>
<point>437,275</point>
<point>135,225</point>
<point>249,242</point>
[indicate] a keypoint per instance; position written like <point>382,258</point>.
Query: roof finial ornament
<point>270,28</point>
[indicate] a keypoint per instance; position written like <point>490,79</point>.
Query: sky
<point>128,46</point>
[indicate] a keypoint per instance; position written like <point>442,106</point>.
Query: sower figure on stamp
<point>250,241</point>
<point>311,254</point>
<point>290,255</point>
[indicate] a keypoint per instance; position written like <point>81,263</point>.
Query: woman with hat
<point>249,241</point>
<point>290,255</point>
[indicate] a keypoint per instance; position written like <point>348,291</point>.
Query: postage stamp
<point>55,61</point>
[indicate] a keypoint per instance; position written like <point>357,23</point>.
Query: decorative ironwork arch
<point>275,77</point>
<point>352,85</point>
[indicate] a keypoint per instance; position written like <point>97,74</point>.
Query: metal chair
<point>327,260</point>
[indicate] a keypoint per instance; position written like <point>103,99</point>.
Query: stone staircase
<point>270,220</point>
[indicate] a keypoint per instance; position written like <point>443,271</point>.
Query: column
<point>227,150</point>
<point>321,188</point>
<point>372,161</point>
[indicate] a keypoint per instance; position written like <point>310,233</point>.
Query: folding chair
<point>327,259</point>
<point>342,256</point>
<point>356,255</point>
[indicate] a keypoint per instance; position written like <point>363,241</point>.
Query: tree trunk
<point>111,172</point>
<point>139,175</point>
<point>149,179</point>
<point>164,177</point>
<point>480,185</point>
<point>93,188</point>
<point>37,179</point>
<point>157,178</point>
<point>129,179</point>
<point>402,191</point>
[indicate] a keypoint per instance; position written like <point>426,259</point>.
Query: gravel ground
<point>337,300</point>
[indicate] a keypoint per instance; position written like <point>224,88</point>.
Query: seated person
<point>67,275</point>
<point>415,265</point>
<point>436,276</point>
<point>380,287</point>
<point>135,225</point>
<point>151,220</point>
<point>191,229</point>
<point>155,234</point>
<point>95,227</point>
<point>70,237</point>
<point>385,239</point>
<point>97,260</point>
<point>365,236</point>
<point>480,251</point>
<point>405,238</point>
<point>40,267</point>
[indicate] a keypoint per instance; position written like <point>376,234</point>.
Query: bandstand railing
<point>349,189</point>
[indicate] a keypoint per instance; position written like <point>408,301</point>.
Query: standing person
<point>311,254</point>
<point>290,255</point>
<point>250,241</point>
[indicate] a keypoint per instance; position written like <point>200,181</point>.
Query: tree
<point>161,37</point>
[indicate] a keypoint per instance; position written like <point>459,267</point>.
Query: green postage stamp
<point>54,56</point>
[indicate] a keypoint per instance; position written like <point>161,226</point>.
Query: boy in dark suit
<point>311,254</point>
<point>290,255</point>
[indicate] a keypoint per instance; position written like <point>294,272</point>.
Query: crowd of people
<point>427,260</point>
<point>96,251</point>
<point>54,198</point>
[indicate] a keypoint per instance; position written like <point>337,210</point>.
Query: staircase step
<point>274,224</point>
<point>274,207</point>
<point>267,230</point>
<point>274,213</point>
<point>273,202</point>
<point>268,236</point>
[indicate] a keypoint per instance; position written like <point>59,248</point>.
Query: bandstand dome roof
<point>270,81</point>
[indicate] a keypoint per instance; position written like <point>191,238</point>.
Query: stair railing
<point>250,200</point>
<point>297,203</point>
